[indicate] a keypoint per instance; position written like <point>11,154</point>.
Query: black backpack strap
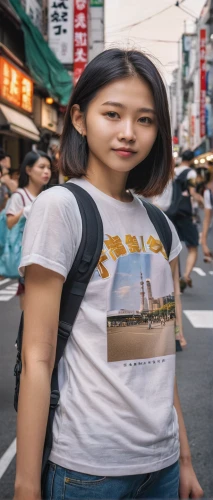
<point>182,179</point>
<point>74,290</point>
<point>161,225</point>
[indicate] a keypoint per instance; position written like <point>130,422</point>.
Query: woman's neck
<point>109,181</point>
<point>33,189</point>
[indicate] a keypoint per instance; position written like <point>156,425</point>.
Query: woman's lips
<point>124,154</point>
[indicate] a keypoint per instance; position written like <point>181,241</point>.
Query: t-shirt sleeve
<point>53,232</point>
<point>207,199</point>
<point>15,204</point>
<point>176,244</point>
<point>191,176</point>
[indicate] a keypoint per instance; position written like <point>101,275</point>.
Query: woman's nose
<point>127,132</point>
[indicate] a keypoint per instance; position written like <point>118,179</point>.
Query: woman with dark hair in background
<point>35,173</point>
<point>115,432</point>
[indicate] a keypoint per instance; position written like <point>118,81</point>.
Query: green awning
<point>44,66</point>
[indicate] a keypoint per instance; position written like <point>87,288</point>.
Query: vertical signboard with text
<point>202,53</point>
<point>80,37</point>
<point>60,29</point>
<point>96,28</point>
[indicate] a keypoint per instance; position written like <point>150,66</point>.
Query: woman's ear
<point>77,118</point>
<point>28,170</point>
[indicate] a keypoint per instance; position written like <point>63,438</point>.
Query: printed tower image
<point>142,294</point>
<point>149,292</point>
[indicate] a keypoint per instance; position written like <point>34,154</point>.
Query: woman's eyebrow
<point>119,105</point>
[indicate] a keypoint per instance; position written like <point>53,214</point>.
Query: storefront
<point>18,131</point>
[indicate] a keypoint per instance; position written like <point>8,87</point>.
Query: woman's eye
<point>146,120</point>
<point>112,114</point>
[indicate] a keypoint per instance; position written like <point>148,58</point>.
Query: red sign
<point>15,86</point>
<point>80,37</point>
<point>202,82</point>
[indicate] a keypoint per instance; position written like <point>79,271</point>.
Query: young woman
<point>35,173</point>
<point>116,432</point>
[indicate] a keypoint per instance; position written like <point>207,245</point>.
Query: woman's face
<point>121,125</point>
<point>40,173</point>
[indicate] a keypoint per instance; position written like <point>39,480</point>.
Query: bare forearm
<point>206,224</point>
<point>13,219</point>
<point>185,454</point>
<point>178,311</point>
<point>31,427</point>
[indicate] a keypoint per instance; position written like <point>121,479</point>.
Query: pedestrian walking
<point>176,201</point>
<point>208,210</point>
<point>183,219</point>
<point>35,173</point>
<point>113,435</point>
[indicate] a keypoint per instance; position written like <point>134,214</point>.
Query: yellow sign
<point>15,86</point>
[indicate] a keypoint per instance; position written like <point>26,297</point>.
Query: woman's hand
<point>26,493</point>
<point>189,485</point>
<point>206,251</point>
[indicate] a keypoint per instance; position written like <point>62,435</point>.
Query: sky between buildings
<point>157,36</point>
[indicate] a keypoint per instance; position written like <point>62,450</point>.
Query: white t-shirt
<point>207,199</point>
<point>21,199</point>
<point>116,414</point>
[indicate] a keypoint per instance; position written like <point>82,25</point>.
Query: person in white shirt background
<point>208,211</point>
<point>118,431</point>
<point>186,228</point>
<point>35,173</point>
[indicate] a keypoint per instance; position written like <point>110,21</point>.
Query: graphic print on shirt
<point>140,317</point>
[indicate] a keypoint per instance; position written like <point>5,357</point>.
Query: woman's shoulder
<point>56,201</point>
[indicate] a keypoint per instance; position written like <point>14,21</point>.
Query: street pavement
<point>194,375</point>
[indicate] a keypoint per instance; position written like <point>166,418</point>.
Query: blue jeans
<point>64,484</point>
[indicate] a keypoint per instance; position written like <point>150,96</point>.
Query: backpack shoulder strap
<point>161,225</point>
<point>85,262</point>
<point>74,289</point>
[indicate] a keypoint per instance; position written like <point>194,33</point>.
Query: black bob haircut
<point>187,155</point>
<point>152,174</point>
<point>29,161</point>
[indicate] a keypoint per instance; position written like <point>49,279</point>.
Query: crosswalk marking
<point>3,282</point>
<point>210,272</point>
<point>199,271</point>
<point>7,458</point>
<point>8,292</point>
<point>200,319</point>
<point>5,298</point>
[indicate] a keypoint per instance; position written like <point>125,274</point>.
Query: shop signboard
<point>96,28</point>
<point>49,117</point>
<point>202,54</point>
<point>60,29</point>
<point>80,37</point>
<point>15,86</point>
<point>34,10</point>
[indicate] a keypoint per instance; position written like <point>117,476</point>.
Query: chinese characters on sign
<point>202,82</point>
<point>80,37</point>
<point>15,86</point>
<point>60,29</point>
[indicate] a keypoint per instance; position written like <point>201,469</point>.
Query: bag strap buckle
<point>54,399</point>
